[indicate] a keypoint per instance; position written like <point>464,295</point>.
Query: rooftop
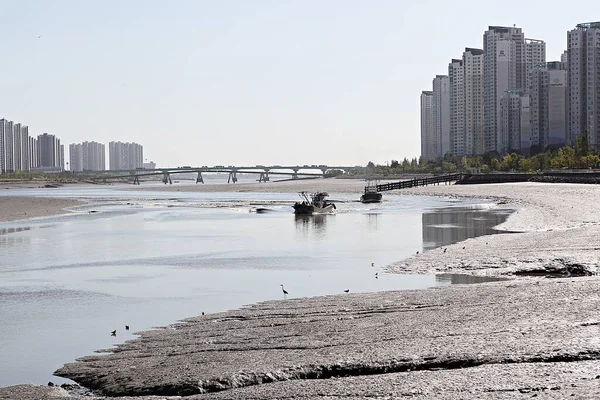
<point>588,25</point>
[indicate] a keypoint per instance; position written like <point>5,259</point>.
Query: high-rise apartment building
<point>535,54</point>
<point>87,156</point>
<point>515,130</point>
<point>441,114</point>
<point>548,93</point>
<point>9,147</point>
<point>17,146</point>
<point>33,153</point>
<point>125,156</point>
<point>51,152</point>
<point>583,81</point>
<point>24,149</point>
<point>5,130</point>
<point>504,69</point>
<point>466,103</point>
<point>427,131</point>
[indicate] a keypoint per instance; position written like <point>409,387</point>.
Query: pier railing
<point>418,182</point>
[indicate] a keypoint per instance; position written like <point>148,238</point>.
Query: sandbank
<point>22,207</point>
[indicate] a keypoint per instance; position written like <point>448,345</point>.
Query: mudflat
<point>534,335</point>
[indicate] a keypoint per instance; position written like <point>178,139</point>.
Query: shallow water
<point>151,258</point>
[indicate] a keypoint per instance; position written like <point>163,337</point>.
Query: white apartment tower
<point>125,156</point>
<point>87,156</point>
<point>466,103</point>
<point>548,93</point>
<point>504,69</point>
<point>441,114</point>
<point>33,153</point>
<point>427,132</point>
<point>5,128</point>
<point>583,81</point>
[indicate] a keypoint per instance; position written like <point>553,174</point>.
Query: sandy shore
<point>556,225</point>
<point>525,337</point>
<point>17,208</point>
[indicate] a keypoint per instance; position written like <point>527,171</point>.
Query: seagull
<point>284,291</point>
<point>113,333</point>
<point>372,264</point>
<point>126,327</point>
<point>347,291</point>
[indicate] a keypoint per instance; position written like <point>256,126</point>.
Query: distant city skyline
<point>234,82</point>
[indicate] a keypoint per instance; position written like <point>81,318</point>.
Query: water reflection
<point>452,225</point>
<point>315,224</point>
<point>7,241</point>
<point>462,279</point>
<point>372,219</point>
<point>6,231</point>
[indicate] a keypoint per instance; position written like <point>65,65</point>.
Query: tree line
<point>579,156</point>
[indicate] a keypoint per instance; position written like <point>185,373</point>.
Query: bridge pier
<point>167,178</point>
<point>232,177</point>
<point>199,178</point>
<point>264,177</point>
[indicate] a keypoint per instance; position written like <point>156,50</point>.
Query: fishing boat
<point>371,195</point>
<point>315,204</point>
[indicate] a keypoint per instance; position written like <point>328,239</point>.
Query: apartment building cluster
<point>45,153</point>
<point>90,156</point>
<point>506,97</point>
<point>21,152</point>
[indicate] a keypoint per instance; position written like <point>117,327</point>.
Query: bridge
<point>264,172</point>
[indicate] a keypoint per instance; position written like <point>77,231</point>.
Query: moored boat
<point>371,195</point>
<point>316,204</point>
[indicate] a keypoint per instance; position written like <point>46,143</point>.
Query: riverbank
<point>18,208</point>
<point>499,340</point>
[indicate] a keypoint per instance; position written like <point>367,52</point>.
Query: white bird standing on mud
<point>285,293</point>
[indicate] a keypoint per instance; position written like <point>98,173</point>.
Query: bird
<point>464,247</point>
<point>376,276</point>
<point>202,312</point>
<point>284,291</point>
<point>372,264</point>
<point>126,327</point>
<point>445,250</point>
<point>417,252</point>
<point>347,291</point>
<point>113,333</point>
<point>39,36</point>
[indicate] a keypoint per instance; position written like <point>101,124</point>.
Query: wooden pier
<point>436,180</point>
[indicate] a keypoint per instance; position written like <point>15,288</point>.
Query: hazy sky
<point>248,82</point>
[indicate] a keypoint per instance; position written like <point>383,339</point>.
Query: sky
<point>248,82</point>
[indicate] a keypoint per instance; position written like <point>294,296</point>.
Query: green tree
<point>582,147</point>
<point>394,164</point>
<point>565,158</point>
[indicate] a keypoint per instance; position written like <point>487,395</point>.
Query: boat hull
<point>371,197</point>
<point>308,209</point>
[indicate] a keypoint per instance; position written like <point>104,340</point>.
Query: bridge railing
<point>418,182</point>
